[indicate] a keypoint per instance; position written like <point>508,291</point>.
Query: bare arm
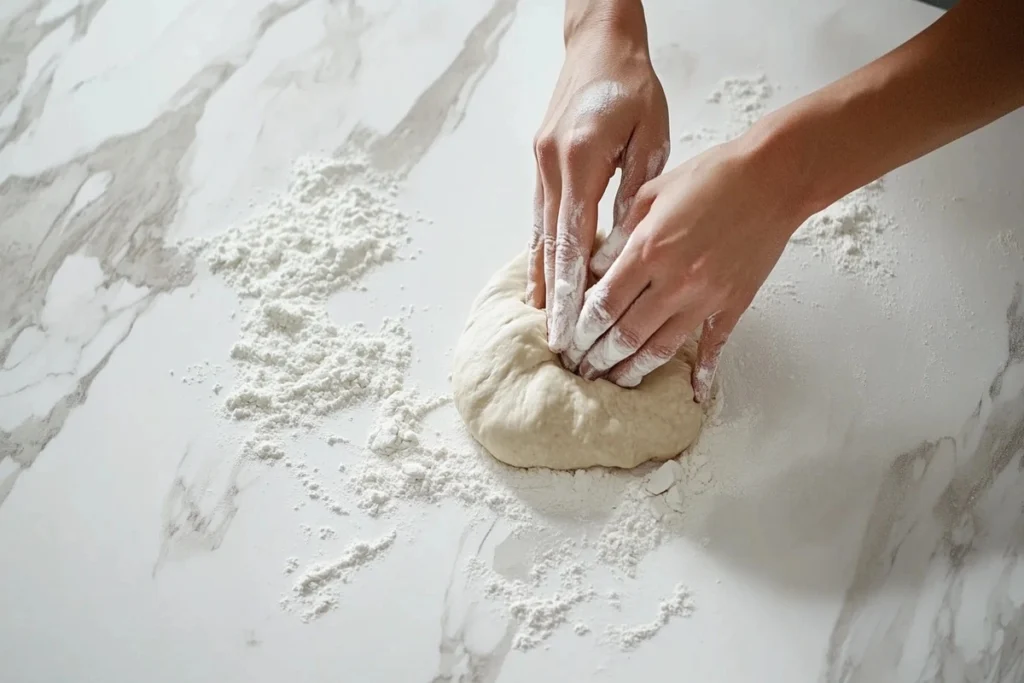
<point>961,73</point>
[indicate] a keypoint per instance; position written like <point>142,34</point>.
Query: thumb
<point>643,160</point>
<point>714,334</point>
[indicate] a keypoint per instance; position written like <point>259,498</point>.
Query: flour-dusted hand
<point>608,111</point>
<point>707,235</point>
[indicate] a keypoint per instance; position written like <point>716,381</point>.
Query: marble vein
<point>195,521</point>
<point>459,661</point>
<point>938,590</point>
<point>440,107</point>
<point>43,220</point>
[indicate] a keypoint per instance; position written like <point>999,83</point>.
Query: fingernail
<point>628,382</point>
<point>589,372</point>
<point>629,379</point>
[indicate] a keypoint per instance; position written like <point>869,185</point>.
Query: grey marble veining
<point>19,35</point>
<point>442,106</point>
<point>194,520</point>
<point>460,658</point>
<point>938,592</point>
<point>44,219</point>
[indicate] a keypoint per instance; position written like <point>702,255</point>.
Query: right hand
<point>608,111</point>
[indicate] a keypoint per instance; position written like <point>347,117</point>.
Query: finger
<point>655,352</point>
<point>546,151</point>
<point>715,333</point>
<point>645,315</point>
<point>535,262</point>
<point>604,304</point>
<point>643,160</point>
<point>577,222</point>
<point>585,179</point>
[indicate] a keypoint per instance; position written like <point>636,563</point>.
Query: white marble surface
<point>875,533</point>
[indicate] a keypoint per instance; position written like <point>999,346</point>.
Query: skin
<point>684,253</point>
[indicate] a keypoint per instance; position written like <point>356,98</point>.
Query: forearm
<point>963,72</point>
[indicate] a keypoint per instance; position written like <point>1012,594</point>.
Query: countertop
<point>857,516</point>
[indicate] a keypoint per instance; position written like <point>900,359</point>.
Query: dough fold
<point>528,411</point>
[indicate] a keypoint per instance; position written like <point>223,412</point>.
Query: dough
<point>528,411</point>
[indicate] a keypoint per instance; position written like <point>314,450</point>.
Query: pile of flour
<point>850,235</point>
<point>293,365</point>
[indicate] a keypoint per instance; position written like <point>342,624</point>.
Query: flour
<point>1007,244</point>
<point>199,373</point>
<point>679,604</point>
<point>316,590</point>
<point>851,235</point>
<point>538,616</point>
<point>599,98</point>
<point>745,100</point>
<point>337,221</point>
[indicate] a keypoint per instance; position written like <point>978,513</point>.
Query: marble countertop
<point>873,526</point>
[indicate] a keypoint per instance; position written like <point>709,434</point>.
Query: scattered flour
<point>850,235</point>
<point>1007,244</point>
<point>337,221</point>
<point>316,590</point>
<point>538,615</point>
<point>745,101</point>
<point>199,373</point>
<point>679,604</point>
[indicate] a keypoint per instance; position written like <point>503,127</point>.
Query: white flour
<point>850,235</point>
<point>745,101</point>
<point>316,590</point>
<point>679,604</point>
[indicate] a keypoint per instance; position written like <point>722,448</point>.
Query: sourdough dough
<point>528,411</point>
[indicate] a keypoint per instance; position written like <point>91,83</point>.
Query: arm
<point>961,73</point>
<point>697,256</point>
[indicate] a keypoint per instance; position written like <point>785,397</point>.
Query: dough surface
<point>528,411</point>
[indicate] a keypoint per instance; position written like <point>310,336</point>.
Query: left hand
<point>707,234</point>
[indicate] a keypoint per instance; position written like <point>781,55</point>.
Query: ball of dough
<point>528,411</point>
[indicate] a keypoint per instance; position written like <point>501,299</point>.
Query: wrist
<point>773,153</point>
<point>623,19</point>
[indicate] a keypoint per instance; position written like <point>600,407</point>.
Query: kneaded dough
<point>528,411</point>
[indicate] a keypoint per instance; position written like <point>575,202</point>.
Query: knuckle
<point>576,148</point>
<point>567,246</point>
<point>645,195</point>
<point>545,148</point>
<point>661,351</point>
<point>549,249</point>
<point>627,338</point>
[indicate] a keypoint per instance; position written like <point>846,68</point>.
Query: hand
<point>608,111</point>
<point>707,234</point>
